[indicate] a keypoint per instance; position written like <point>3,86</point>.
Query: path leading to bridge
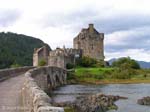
<point>10,94</point>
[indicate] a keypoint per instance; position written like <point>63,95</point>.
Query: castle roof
<point>89,30</point>
<point>95,31</point>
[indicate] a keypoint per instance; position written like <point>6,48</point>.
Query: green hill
<point>17,49</point>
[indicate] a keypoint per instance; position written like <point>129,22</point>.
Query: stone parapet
<point>12,72</point>
<point>37,81</point>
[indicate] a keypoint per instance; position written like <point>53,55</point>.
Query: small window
<point>92,47</point>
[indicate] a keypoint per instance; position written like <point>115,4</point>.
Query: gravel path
<point>10,94</point>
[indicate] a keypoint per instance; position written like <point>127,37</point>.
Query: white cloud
<point>138,54</point>
<point>57,22</point>
<point>128,36</point>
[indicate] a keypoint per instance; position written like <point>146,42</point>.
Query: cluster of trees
<point>17,50</point>
<point>123,63</point>
<point>125,68</point>
<point>126,62</point>
<point>87,61</point>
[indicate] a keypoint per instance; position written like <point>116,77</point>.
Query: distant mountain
<point>112,60</point>
<point>17,49</point>
<point>142,64</point>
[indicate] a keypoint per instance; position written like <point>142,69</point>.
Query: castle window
<point>92,46</point>
<point>79,44</point>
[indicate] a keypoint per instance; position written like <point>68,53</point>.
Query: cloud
<point>122,22</point>
<point>108,16</point>
<point>8,17</point>
<point>125,23</point>
<point>130,39</point>
<point>138,54</point>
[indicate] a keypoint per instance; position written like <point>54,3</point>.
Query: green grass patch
<point>92,73</point>
<point>111,75</point>
<point>69,109</point>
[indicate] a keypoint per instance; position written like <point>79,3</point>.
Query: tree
<point>17,49</point>
<point>126,62</point>
<point>86,61</point>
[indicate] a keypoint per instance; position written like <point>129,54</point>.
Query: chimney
<point>91,28</point>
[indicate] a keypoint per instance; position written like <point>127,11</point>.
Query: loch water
<point>132,91</point>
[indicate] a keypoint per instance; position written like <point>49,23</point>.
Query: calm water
<point>132,91</point>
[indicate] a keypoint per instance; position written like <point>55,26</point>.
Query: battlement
<point>57,52</point>
<point>59,57</point>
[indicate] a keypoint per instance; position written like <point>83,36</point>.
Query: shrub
<point>69,66</point>
<point>123,73</point>
<point>70,75</point>
<point>42,62</point>
<point>99,76</point>
<point>15,65</point>
<point>87,61</point>
<point>99,63</point>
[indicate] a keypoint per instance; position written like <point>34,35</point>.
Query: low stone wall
<point>37,81</point>
<point>12,72</point>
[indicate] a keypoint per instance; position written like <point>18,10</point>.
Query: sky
<point>126,23</point>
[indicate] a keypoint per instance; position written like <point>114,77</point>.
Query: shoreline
<point>110,76</point>
<point>113,81</point>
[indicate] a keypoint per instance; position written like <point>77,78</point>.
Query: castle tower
<point>91,42</point>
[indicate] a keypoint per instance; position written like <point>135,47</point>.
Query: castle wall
<point>39,54</point>
<point>13,72</point>
<point>61,57</point>
<point>58,61</point>
<point>35,59</point>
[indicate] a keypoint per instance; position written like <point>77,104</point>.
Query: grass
<point>69,109</point>
<point>97,75</point>
<point>94,70</point>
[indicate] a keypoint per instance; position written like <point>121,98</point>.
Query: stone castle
<point>89,42</point>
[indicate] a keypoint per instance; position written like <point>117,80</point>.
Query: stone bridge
<point>24,90</point>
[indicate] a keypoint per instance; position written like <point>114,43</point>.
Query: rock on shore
<point>96,103</point>
<point>144,101</point>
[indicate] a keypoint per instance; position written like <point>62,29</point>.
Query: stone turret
<point>91,28</point>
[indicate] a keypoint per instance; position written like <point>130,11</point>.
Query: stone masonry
<point>91,42</point>
<point>59,57</point>
<point>37,82</point>
<point>40,54</point>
